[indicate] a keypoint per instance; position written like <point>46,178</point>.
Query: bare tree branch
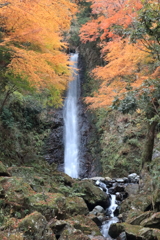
<point>4,4</point>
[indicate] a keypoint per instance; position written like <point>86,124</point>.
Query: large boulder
<point>92,195</point>
<point>76,206</point>
<point>135,217</point>
<point>35,226</point>
<point>49,204</point>
<point>56,205</point>
<point>85,224</point>
<point>141,202</point>
<point>72,234</point>
<point>153,221</point>
<point>78,226</point>
<point>132,189</point>
<point>134,232</point>
<point>15,191</point>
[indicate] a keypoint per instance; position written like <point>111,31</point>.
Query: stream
<point>109,211</point>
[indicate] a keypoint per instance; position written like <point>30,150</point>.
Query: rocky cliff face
<point>54,148</point>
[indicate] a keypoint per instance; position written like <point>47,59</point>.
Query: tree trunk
<point>8,93</point>
<point>4,101</point>
<point>149,144</point>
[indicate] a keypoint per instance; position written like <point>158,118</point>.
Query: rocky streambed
<point>38,202</point>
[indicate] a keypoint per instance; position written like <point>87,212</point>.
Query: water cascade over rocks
<point>109,212</point>
<point>116,189</point>
<point>71,131</point>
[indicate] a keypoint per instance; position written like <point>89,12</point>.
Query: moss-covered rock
<point>57,226</point>
<point>135,217</point>
<point>92,195</point>
<point>71,233</point>
<point>49,204</point>
<point>15,191</point>
<point>34,226</point>
<point>3,170</point>
<point>61,177</point>
<point>85,224</point>
<point>140,202</point>
<point>152,221</point>
<point>29,175</point>
<point>76,206</point>
<point>134,231</point>
<point>80,223</point>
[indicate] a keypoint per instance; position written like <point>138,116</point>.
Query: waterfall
<point>71,131</point>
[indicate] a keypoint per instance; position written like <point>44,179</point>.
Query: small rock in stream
<point>133,178</point>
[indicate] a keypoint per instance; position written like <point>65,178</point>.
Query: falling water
<point>71,133</point>
<point>112,219</point>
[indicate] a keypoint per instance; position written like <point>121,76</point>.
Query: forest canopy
<point>32,34</point>
<point>128,33</point>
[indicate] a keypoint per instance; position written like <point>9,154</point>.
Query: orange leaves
<point>33,30</point>
<point>123,59</point>
<point>126,68</point>
<point>128,65</point>
<point>109,13</point>
<point>89,31</point>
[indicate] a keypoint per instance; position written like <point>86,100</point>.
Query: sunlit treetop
<point>128,34</point>
<point>33,31</point>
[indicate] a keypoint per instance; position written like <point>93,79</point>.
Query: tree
<point>128,34</point>
<point>33,33</point>
<point>126,46</point>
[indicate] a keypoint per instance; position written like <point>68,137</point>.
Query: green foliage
<point>53,97</point>
<point>22,130</point>
<point>147,27</point>
<point>90,86</point>
<point>127,105</point>
<point>7,118</point>
<point>20,83</point>
<point>70,192</point>
<point>134,142</point>
<point>82,17</point>
<point>84,14</point>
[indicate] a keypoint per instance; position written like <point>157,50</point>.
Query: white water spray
<point>71,132</point>
<point>106,225</point>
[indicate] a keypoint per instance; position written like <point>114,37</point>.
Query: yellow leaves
<point>42,69</point>
<point>139,111</point>
<point>37,21</point>
<point>33,31</point>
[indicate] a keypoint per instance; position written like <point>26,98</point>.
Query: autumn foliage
<point>33,31</point>
<point>127,33</point>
